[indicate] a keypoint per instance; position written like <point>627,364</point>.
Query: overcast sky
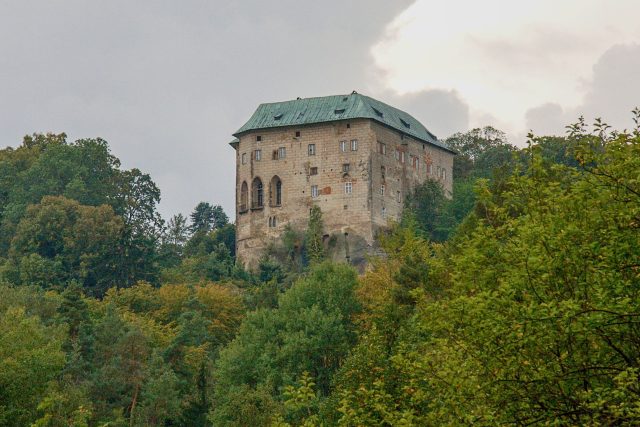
<point>168,82</point>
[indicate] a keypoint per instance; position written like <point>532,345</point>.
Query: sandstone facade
<point>358,171</point>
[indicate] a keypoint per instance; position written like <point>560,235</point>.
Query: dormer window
<point>405,124</point>
<point>338,110</point>
<point>378,112</point>
<point>277,116</point>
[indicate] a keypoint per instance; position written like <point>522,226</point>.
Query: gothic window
<point>244,196</point>
<point>257,193</point>
<point>275,191</point>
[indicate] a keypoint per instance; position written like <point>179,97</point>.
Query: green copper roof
<point>336,107</point>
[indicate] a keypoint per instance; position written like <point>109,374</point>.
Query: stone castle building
<point>351,155</point>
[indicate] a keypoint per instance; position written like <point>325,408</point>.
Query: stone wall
<point>358,214</point>
<point>402,173</point>
<point>341,212</point>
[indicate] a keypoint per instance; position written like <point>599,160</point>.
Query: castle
<point>353,156</point>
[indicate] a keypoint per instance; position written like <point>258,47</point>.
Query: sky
<point>167,83</point>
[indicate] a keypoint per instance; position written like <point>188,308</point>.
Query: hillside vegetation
<point>513,302</point>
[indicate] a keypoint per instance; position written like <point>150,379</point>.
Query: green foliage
<point>536,322</point>
<point>30,357</point>
<point>60,240</point>
<point>109,202</point>
<point>311,330</point>
<point>314,247</point>
<point>206,217</point>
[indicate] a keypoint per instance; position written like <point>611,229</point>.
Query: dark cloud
<point>443,112</point>
<point>546,119</point>
<point>615,89</point>
<point>611,94</point>
<point>166,83</point>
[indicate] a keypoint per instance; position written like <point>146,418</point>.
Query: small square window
<point>343,146</point>
<point>297,134</point>
<point>244,158</point>
<point>257,155</point>
<point>314,191</point>
<point>346,167</point>
<point>313,171</point>
<point>348,187</point>
<point>312,149</point>
<point>354,145</point>
<point>258,138</point>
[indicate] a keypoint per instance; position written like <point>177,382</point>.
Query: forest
<point>515,301</point>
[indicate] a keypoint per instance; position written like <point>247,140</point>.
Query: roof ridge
<point>322,109</point>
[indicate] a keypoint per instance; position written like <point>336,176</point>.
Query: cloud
<point>167,83</point>
<point>441,111</point>
<point>503,57</point>
<point>611,94</point>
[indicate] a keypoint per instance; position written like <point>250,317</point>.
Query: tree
<point>60,240</point>
<point>311,330</point>
<point>30,357</point>
<point>206,217</point>
<point>314,246</point>
<point>536,321</point>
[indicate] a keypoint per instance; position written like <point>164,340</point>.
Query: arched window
<point>244,196</point>
<point>257,193</point>
<point>275,191</point>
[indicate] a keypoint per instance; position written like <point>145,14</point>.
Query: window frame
<point>315,191</point>
<point>354,145</point>
<point>311,149</point>
<point>348,187</point>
